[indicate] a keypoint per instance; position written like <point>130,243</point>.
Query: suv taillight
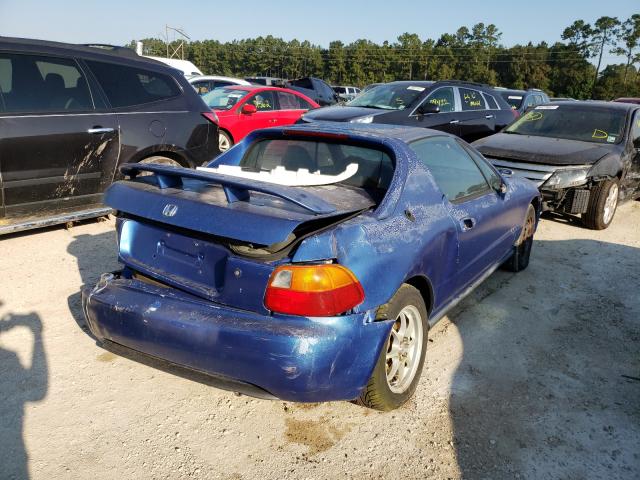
<point>211,116</point>
<point>313,290</point>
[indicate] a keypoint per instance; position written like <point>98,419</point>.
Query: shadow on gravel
<point>548,383</point>
<point>95,255</point>
<point>19,385</point>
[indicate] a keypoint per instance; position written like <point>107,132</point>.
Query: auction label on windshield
<point>547,107</point>
<point>417,89</point>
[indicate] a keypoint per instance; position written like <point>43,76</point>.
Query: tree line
<point>563,69</point>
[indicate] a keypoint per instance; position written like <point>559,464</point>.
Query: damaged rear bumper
<point>292,358</point>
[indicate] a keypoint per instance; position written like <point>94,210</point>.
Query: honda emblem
<point>169,210</point>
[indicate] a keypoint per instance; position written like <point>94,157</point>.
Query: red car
<point>243,109</point>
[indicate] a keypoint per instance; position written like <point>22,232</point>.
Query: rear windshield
<point>513,99</point>
<point>223,98</point>
<point>375,167</point>
<point>584,123</point>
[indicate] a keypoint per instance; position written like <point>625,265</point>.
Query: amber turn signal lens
<point>313,290</point>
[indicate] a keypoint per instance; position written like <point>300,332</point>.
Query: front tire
<point>519,260</point>
<point>603,203</point>
<point>399,365</point>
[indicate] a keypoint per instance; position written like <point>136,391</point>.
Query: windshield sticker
<point>547,107</point>
<point>515,97</point>
<point>611,139</point>
<point>417,89</point>
<point>532,116</point>
<point>599,134</point>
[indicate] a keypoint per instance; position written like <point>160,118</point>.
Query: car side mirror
<point>427,108</point>
<point>249,109</point>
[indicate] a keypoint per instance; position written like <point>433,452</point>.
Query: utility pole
<point>179,50</point>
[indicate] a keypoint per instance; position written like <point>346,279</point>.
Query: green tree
<point>605,33</point>
<point>629,35</point>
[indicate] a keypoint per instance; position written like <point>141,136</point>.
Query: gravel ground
<point>535,375</point>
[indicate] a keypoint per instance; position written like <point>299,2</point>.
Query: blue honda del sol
<point>308,262</point>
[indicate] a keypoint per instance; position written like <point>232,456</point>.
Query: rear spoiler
<point>235,189</point>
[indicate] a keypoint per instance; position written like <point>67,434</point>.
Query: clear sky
<point>319,21</point>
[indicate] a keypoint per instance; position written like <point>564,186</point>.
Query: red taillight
<point>313,290</point>
<point>211,116</point>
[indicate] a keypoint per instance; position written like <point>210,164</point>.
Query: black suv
<point>522,100</point>
<point>69,115</point>
<point>468,110</point>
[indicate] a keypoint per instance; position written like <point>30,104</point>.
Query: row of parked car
<point>88,109</point>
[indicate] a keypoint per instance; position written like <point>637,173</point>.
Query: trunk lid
<point>217,237</point>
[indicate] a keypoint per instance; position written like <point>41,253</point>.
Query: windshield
<point>375,167</point>
<point>513,99</point>
<point>223,98</point>
<point>388,97</point>
<point>584,123</point>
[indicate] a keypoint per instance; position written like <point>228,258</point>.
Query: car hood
<point>551,151</point>
<point>341,113</point>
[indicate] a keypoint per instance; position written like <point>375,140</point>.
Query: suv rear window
<point>128,86</point>
<point>36,83</point>
<point>375,167</point>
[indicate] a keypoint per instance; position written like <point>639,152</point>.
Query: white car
<point>187,68</point>
<point>346,93</point>
<point>205,83</point>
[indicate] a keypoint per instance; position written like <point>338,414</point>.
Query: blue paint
<point>211,315</point>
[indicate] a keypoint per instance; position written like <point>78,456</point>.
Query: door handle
<point>97,130</point>
<point>488,117</point>
<point>468,223</point>
<point>453,122</point>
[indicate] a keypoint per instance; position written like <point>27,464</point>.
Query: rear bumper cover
<point>292,358</point>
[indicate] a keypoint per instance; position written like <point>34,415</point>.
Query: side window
<point>201,87</point>
<point>263,101</point>
<point>531,102</point>
<point>443,97</point>
<point>489,173</point>
<point>453,169</point>
<point>221,83</point>
<point>288,101</point>
<point>34,83</point>
<point>471,100</point>
<point>127,86</point>
<point>491,102</point>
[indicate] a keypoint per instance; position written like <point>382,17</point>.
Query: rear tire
<point>157,160</point>
<point>398,368</point>
<point>519,260</point>
<point>225,141</point>
<point>603,203</point>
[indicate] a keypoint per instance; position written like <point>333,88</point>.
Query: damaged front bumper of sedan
<point>292,358</point>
